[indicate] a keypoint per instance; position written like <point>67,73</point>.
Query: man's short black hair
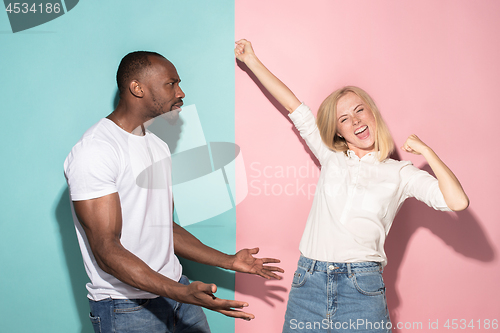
<point>132,66</point>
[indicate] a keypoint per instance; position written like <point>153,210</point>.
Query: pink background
<point>433,69</point>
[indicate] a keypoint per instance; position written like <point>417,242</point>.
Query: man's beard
<point>157,109</point>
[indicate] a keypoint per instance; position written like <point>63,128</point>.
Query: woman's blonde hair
<point>327,123</point>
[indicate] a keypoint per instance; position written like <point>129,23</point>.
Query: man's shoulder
<point>98,141</point>
<point>102,133</point>
<point>101,130</point>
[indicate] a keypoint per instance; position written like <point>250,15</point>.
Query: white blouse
<point>356,199</point>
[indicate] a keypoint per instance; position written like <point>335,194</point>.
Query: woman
<point>338,285</point>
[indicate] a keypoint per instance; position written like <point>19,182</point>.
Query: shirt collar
<point>370,157</point>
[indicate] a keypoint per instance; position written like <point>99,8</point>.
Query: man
<point>124,226</point>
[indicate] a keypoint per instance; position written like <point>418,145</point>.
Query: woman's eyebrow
<point>357,106</point>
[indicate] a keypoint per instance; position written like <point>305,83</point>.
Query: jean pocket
<point>129,305</point>
<point>369,283</point>
<point>299,277</point>
<point>96,323</point>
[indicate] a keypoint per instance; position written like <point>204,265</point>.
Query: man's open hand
<point>245,262</point>
<point>202,294</point>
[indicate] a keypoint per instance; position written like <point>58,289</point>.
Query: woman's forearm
<point>453,193</point>
<point>278,89</point>
<point>450,187</point>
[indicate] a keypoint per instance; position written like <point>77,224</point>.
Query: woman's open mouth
<point>362,132</point>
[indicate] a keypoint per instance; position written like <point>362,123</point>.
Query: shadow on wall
<point>72,254</point>
<point>254,285</point>
<point>462,232</point>
<point>278,106</point>
<point>248,284</point>
<point>258,287</point>
<point>73,259</point>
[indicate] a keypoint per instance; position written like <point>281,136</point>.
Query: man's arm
<point>189,247</point>
<point>102,222</point>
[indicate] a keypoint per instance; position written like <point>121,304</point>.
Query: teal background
<point>59,79</point>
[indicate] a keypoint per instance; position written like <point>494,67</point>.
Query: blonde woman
<point>338,285</point>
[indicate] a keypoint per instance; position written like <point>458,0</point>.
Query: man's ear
<point>136,89</point>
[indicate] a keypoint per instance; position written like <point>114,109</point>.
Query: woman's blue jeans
<point>153,315</point>
<point>337,297</point>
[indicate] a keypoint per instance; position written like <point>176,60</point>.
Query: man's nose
<point>179,93</point>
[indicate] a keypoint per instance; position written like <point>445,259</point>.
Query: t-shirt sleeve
<point>423,187</point>
<point>91,170</point>
<point>304,121</point>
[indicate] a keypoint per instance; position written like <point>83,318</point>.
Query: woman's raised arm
<point>244,53</point>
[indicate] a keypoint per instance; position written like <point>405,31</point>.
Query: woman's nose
<point>355,120</point>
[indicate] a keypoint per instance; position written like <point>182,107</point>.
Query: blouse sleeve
<point>304,121</point>
<point>423,187</point>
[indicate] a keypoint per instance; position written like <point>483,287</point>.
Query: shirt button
<point>331,267</point>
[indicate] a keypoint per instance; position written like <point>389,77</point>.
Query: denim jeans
<point>337,297</point>
<point>153,315</point>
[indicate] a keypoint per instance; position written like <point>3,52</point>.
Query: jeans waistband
<point>338,267</point>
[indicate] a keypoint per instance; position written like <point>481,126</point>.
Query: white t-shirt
<point>356,199</point>
<point>106,160</point>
